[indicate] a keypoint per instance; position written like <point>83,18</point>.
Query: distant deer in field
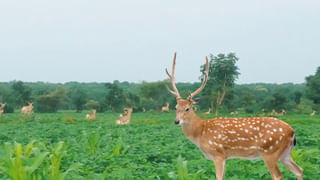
<point>282,113</point>
<point>272,113</point>
<point>250,138</point>
<point>313,113</point>
<point>27,109</point>
<point>208,112</point>
<point>125,118</point>
<point>234,113</point>
<point>165,108</point>
<point>92,115</point>
<point>262,113</point>
<point>2,109</point>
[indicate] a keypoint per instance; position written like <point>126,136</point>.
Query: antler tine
<point>203,82</point>
<point>175,92</point>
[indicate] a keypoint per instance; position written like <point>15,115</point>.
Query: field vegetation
<point>64,145</point>
<point>56,142</point>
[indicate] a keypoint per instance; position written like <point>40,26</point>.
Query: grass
<point>151,147</point>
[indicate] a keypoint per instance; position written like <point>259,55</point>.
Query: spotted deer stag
<point>250,138</point>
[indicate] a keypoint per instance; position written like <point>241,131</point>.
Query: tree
<point>297,97</point>
<point>115,99</point>
<point>313,87</point>
<point>92,104</point>
<point>133,100</point>
<point>248,102</point>
<point>21,93</point>
<point>79,98</point>
<point>50,102</point>
<point>153,94</point>
<point>277,101</point>
<point>222,75</point>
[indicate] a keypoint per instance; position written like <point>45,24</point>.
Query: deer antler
<point>203,82</point>
<point>175,92</point>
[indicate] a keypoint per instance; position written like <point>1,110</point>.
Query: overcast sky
<point>277,41</point>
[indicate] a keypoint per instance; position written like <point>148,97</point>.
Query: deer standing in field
<point>2,109</point>
<point>282,113</point>
<point>165,108</point>
<point>125,118</point>
<point>234,113</point>
<point>27,109</point>
<point>92,115</point>
<point>272,113</point>
<point>220,139</point>
<point>262,112</point>
<point>313,113</point>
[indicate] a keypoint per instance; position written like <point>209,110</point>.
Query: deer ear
<point>196,100</point>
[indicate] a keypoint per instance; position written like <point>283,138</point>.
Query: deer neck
<point>193,129</point>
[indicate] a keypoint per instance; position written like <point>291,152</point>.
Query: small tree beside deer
<point>222,75</point>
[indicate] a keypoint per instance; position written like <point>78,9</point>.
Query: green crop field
<point>66,146</point>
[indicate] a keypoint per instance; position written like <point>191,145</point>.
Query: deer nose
<point>176,121</point>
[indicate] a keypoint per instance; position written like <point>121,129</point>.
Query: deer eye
<point>187,109</point>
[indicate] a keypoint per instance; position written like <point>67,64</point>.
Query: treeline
<point>50,97</point>
<point>220,94</point>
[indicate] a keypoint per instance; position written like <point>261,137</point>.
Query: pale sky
<point>277,41</point>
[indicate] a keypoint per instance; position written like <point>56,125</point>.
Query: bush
<point>8,109</point>
<point>92,104</point>
<point>305,106</point>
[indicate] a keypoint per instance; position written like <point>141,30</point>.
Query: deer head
<point>184,110</point>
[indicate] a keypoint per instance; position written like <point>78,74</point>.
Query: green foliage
<point>117,149</point>
<point>276,101</point>
<point>92,104</point>
<point>21,163</point>
<point>58,151</point>
<point>148,148</point>
<point>182,171</point>
<point>93,142</point>
<point>21,93</point>
<point>33,161</point>
<point>305,106</point>
<point>313,87</point>
<point>297,97</point>
<point>8,108</point>
<point>115,99</point>
<point>153,95</point>
<point>221,79</point>
<point>50,102</point>
<point>78,97</point>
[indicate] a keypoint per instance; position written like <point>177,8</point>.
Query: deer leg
<point>287,161</point>
<point>220,164</point>
<point>272,165</point>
